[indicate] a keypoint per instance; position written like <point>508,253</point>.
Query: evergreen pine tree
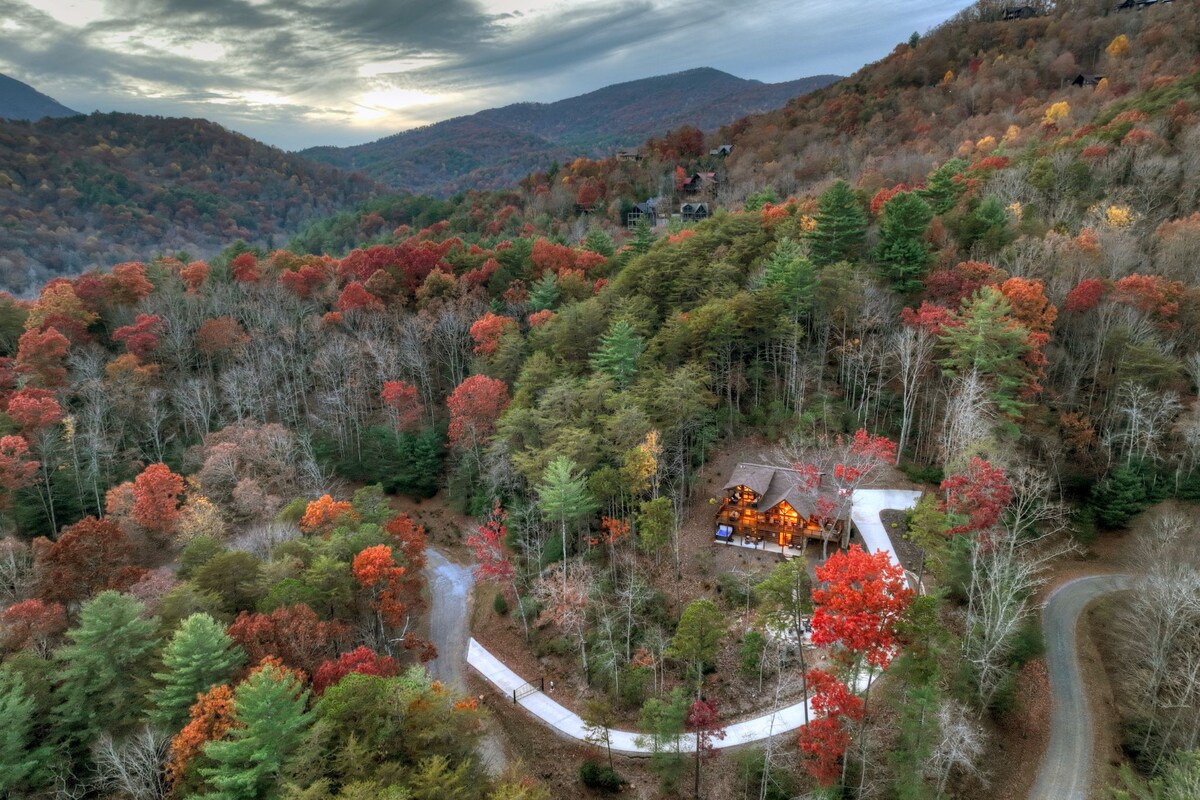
<point>199,656</point>
<point>643,237</point>
<point>1118,497</point>
<point>23,761</point>
<point>902,253</point>
<point>598,241</point>
<point>269,712</point>
<point>619,351</point>
<point>792,275</point>
<point>941,191</point>
<point>564,498</point>
<point>544,293</point>
<point>106,656</point>
<point>990,342</point>
<point>841,227</point>
<point>698,636</point>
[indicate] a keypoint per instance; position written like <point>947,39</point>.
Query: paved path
<point>1066,769</point>
<point>867,505</point>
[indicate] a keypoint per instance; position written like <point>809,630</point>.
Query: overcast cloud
<point>297,73</point>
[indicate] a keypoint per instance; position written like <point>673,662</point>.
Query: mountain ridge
<point>20,101</point>
<point>460,152</point>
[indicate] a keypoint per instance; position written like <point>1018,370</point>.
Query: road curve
<point>449,587</point>
<point>1066,769</point>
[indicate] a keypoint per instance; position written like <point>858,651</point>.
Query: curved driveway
<point>1066,769</point>
<point>449,586</point>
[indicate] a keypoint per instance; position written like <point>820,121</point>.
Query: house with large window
<point>782,506</point>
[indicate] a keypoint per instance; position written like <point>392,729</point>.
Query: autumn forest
<point>230,487</point>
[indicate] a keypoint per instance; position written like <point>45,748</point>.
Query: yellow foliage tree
<point>1118,216</point>
<point>1056,113</point>
<point>1118,47</point>
<point>948,77</point>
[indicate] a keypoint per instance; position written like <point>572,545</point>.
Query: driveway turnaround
<point>1066,769</point>
<point>865,513</point>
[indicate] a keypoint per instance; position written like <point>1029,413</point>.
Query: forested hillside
<point>85,192</point>
<point>493,149</point>
<point>921,276</point>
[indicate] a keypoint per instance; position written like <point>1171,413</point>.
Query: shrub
<point>595,776</point>
<point>500,604</point>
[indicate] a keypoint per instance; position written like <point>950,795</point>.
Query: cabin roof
<point>774,485</point>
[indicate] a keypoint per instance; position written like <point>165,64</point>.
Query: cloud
<point>302,72</point>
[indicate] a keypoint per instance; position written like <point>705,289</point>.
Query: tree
<point>698,637</point>
<point>705,723</point>
<point>199,656</point>
<point>825,740</point>
<point>156,499</point>
<point>545,293</point>
<point>17,471</point>
<point>24,762</point>
<point>564,498</point>
<point>487,330</point>
<point>902,253</point>
<point>841,227</point>
<point>1119,497</point>
<point>475,405</point>
<point>860,601</point>
<point>32,625</point>
<point>293,634</point>
<point>598,720</point>
<point>619,351</point>
<point>404,402</point>
<point>393,593</point>
<point>976,497</point>
<point>211,717</point>
<point>105,655</point>
<point>89,556</point>
<point>362,660</point>
<point>663,720</point>
<point>133,766</point>
<point>986,340</point>
<point>324,514</point>
<point>42,355</point>
<point>142,337</point>
<point>788,591</point>
<point>943,189</point>
<point>269,723</point>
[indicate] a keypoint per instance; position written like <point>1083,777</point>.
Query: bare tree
<point>969,418</point>
<point>1141,418</point>
<point>912,347</point>
<point>133,767</point>
<point>959,747</point>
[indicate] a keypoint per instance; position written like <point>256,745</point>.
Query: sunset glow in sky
<point>297,73</point>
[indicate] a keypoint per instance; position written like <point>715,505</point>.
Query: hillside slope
<point>82,192</point>
<point>496,147</point>
<point>21,101</point>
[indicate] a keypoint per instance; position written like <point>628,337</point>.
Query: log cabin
<point>773,504</point>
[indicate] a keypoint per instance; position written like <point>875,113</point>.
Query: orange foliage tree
<point>156,499</point>
<point>323,515</point>
<point>212,716</point>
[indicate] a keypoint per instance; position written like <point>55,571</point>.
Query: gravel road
<point>449,606</point>
<point>1066,769</point>
<point>449,587</point>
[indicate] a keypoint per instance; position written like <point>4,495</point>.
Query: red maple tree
<point>42,355</point>
<point>293,634</point>
<point>324,514</point>
<point>34,409</point>
<point>488,545</point>
<point>32,625</point>
<point>156,499</point>
<point>487,330</point>
<point>245,268</point>
<point>212,715</point>
<point>89,556</point>
<point>361,659</point>
<point>17,471</point>
<point>859,603</point>
<point>475,405</point>
<point>142,337</point>
<point>405,402</point>
<point>976,497</point>
<point>825,739</point>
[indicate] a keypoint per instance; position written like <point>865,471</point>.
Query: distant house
<point>652,212</point>
<point>721,151</point>
<point>694,212</point>
<point>764,503</point>
<point>1087,80</point>
<point>1020,12</point>
<point>629,155</point>
<point>700,182</point>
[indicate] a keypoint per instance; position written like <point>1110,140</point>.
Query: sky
<point>297,73</point>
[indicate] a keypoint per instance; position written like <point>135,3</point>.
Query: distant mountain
<point>21,101</point>
<point>497,147</point>
<point>92,191</point>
